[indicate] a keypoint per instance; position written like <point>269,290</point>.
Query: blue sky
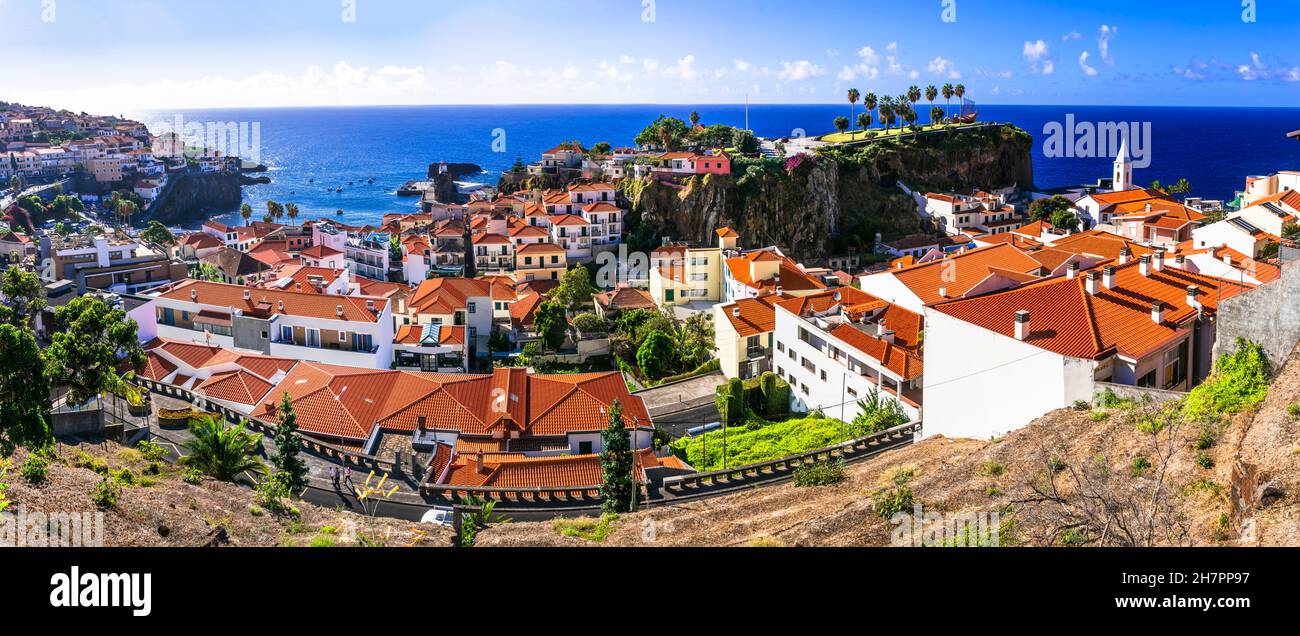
<point>124,55</point>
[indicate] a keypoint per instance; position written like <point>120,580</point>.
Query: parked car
<point>437,516</point>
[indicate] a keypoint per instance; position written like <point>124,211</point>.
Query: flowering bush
<point>797,161</point>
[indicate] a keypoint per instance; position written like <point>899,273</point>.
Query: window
<point>823,375</point>
<point>1176,365</point>
<point>852,393</point>
<point>286,333</point>
<point>1148,381</point>
<point>780,346</point>
<point>472,308</point>
<point>584,448</point>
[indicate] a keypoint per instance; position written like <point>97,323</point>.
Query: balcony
<point>759,352</point>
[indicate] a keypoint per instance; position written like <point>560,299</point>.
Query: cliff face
<point>192,198</point>
<point>837,200</point>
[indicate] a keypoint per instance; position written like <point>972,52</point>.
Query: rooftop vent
<point>1108,277</point>
<point>1022,325</point>
<point>1145,265</point>
<point>1158,312</point>
<point>1092,282</point>
<point>340,311</point>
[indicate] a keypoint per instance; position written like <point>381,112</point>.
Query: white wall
<point>887,287</point>
<point>980,384</point>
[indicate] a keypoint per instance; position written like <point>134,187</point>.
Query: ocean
<point>310,152</point>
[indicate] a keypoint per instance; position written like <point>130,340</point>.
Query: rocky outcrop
<point>457,171</point>
<point>191,198</point>
<point>835,201</point>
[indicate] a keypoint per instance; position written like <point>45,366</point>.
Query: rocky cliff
<point>839,199</point>
<point>192,198</point>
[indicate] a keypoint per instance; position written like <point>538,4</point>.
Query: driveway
<point>682,405</point>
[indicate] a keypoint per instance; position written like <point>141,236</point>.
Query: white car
<point>437,517</point>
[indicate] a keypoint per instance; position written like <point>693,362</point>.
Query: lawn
<point>879,133</point>
<point>749,445</point>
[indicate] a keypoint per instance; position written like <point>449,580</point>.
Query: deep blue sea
<point>311,151</point>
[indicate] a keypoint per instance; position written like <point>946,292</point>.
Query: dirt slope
<point>170,512</point>
<point>999,475</point>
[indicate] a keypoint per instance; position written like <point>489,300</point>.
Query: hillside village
<point>482,346</point>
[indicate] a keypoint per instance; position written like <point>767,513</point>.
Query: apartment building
<point>839,346</point>
<point>347,330</point>
<point>110,263</point>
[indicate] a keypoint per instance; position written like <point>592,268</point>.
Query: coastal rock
<point>834,202</point>
<point>192,198</point>
<point>456,171</point>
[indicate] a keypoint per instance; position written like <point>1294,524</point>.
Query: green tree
<point>290,468</point>
<point>550,322</point>
<point>656,356</point>
<point>88,341</point>
<point>744,142</point>
<point>869,102</point>
<point>24,392</point>
<point>616,463</point>
<point>291,211</point>
<point>222,452</point>
<point>15,182</point>
<point>695,341</point>
<point>1065,220</point>
<point>24,297</point>
<point>930,93</point>
<point>1046,208</point>
<point>246,211</point>
<point>841,123</point>
<point>158,233</point>
<point>864,121</point>
<point>575,288</point>
<point>667,132</point>
<point>947,92</point>
<point>601,148</point>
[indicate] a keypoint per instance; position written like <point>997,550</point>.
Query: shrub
<point>1140,465</point>
<point>820,474</point>
<point>105,494</point>
<point>123,477</point>
<point>322,541</point>
<point>1205,439</point>
<point>891,501</point>
<point>879,413</point>
<point>1239,382</point>
<point>35,470</point>
<point>1204,461</point>
<point>776,395</point>
<point>1294,411</point>
<point>993,468</point>
<point>766,542</point>
<point>90,462</point>
<point>589,528</point>
<point>760,443</point>
<point>1055,465</point>
<point>590,323</point>
<point>151,452</point>
<point>192,476</point>
<point>902,475</point>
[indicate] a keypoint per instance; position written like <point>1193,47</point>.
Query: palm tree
<point>947,97</point>
<point>246,211</point>
<point>869,102</point>
<point>15,183</point>
<point>267,218</point>
<point>841,123</point>
<point>936,114</point>
<point>886,111</point>
<point>960,92</point>
<point>930,93</point>
<point>1182,186</point>
<point>853,101</point>
<point>292,211</point>
<point>913,94</point>
<point>221,452</point>
<point>666,137</point>
<point>695,119</point>
<point>864,121</point>
<point>125,210</point>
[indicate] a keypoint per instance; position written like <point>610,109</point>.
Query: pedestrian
<point>334,476</point>
<point>347,474</point>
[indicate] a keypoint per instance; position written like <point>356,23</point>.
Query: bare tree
<point>1090,503</point>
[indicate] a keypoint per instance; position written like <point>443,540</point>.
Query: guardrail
<point>582,497</point>
<point>321,449</point>
<point>722,481</point>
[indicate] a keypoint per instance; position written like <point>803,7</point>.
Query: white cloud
<point>1034,51</point>
<point>1072,35</point>
<point>943,67</point>
<point>799,70</point>
<point>868,55</point>
<point>626,59</point>
<point>1103,43</point>
<point>1083,64</point>
<point>742,66</point>
<point>683,70</point>
<point>1258,69</point>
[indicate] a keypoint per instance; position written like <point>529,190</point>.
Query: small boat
<point>339,213</point>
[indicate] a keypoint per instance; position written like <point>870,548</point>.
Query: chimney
<point>280,305</point>
<point>1148,207</point>
<point>1227,259</point>
<point>1072,270</point>
<point>1193,297</point>
<point>1158,261</point>
<point>943,292</point>
<point>881,328</point>
<point>1180,262</point>
<point>735,311</point>
<point>888,336</point>
<point>370,306</point>
<point>1108,277</point>
<point>1092,282</point>
<point>247,295</point>
<point>1145,266</point>
<point>1022,325</point>
<point>1125,255</point>
<point>340,311</point>
<point>1158,312</point>
<point>480,461</point>
<point>194,294</point>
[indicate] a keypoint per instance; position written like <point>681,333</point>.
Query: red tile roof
<point>266,301</point>
<point>1065,319</point>
<point>960,273</point>
<point>792,277</point>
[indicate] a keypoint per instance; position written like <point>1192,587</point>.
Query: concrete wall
<point>1268,315</point>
